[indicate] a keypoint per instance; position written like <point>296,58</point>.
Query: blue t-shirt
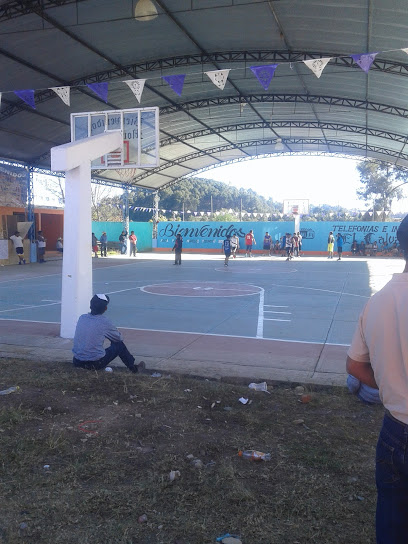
<point>227,246</point>
<point>339,241</point>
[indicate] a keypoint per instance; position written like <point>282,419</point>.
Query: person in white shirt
<point>18,246</point>
<point>234,245</point>
<point>378,357</point>
<point>41,243</point>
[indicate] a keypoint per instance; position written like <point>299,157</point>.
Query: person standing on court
<point>226,246</point>
<point>234,245</point>
<point>249,242</point>
<point>288,246</point>
<point>41,243</point>
<point>295,245</point>
<point>178,248</point>
<point>95,245</point>
<point>18,246</point>
<point>300,238</point>
<point>104,243</point>
<point>267,244</point>
<point>330,245</point>
<point>90,334</point>
<point>122,240</point>
<point>378,357</point>
<point>133,243</point>
<point>339,241</point>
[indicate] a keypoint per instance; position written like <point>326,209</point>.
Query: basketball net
<point>126,174</point>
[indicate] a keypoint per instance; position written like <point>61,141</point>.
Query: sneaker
<point>19,262</point>
<point>24,261</point>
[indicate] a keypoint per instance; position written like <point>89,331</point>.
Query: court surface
<point>263,314</point>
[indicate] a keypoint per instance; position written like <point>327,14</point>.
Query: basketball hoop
<point>296,206</point>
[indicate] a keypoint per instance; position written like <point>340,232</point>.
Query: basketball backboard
<point>296,206</point>
<point>140,129</point>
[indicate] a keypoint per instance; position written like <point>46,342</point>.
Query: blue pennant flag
<point>364,61</point>
<point>175,82</point>
<point>100,89</point>
<point>27,96</point>
<point>264,74</point>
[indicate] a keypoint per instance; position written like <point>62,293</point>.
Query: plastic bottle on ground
<point>255,455</point>
<point>9,390</point>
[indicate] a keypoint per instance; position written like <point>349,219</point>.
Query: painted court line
<point>323,290</point>
<point>274,312</point>
<point>167,331</point>
<point>28,307</point>
<point>272,319</point>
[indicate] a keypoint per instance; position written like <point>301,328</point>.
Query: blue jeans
<point>392,483</point>
<point>116,349</point>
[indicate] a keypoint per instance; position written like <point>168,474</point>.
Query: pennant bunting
<point>26,96</point>
<point>63,93</point>
<point>136,86</point>
<point>317,65</point>
<point>218,77</point>
<point>405,49</point>
<point>364,61</point>
<point>176,82</point>
<point>100,89</point>
<point>264,74</point>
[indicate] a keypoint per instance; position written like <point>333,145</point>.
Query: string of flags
<point>263,74</point>
<point>260,215</point>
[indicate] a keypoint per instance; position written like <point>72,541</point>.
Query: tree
<point>53,185</point>
<point>105,203</point>
<point>381,184</point>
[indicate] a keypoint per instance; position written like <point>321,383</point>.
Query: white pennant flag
<point>136,86</point>
<point>405,49</point>
<point>63,93</point>
<point>317,65</point>
<point>218,77</point>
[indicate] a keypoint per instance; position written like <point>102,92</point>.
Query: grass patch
<point>84,454</point>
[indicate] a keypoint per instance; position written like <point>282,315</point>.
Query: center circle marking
<point>202,289</point>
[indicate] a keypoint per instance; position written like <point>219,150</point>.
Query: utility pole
<point>183,210</point>
<point>211,205</point>
<point>240,212</point>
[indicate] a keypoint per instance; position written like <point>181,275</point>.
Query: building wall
<point>209,235</point>
<point>48,220</point>
<point>143,232</point>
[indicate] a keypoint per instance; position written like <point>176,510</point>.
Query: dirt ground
<point>86,457</point>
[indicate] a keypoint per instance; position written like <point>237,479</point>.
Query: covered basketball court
<point>233,80</point>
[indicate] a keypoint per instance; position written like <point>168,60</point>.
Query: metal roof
<point>49,43</point>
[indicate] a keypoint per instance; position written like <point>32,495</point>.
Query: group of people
<point>359,248</point>
<point>292,245</point>
<point>330,245</point>
<point>123,237</point>
<point>18,245</point>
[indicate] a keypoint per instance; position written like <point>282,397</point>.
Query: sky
<point>322,180</point>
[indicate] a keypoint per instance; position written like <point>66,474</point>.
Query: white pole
<point>77,256</point>
<point>297,222</point>
<point>75,159</point>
